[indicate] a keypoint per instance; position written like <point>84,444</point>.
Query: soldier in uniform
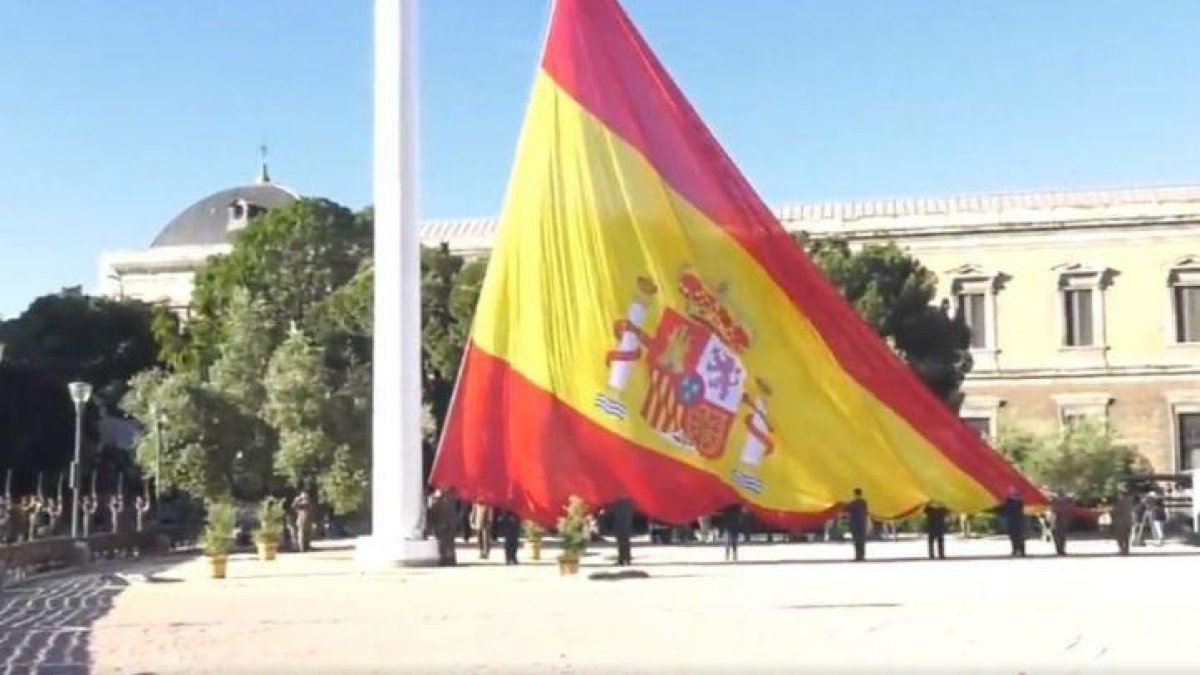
<point>444,518</point>
<point>1012,513</point>
<point>303,508</point>
<point>935,527</point>
<point>481,523</point>
<point>622,511</point>
<point>508,526</point>
<point>858,515</point>
<point>1122,520</point>
<point>1060,521</point>
<point>731,520</point>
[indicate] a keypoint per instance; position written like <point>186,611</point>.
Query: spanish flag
<point>648,330</point>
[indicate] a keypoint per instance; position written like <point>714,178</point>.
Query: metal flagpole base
<point>374,553</point>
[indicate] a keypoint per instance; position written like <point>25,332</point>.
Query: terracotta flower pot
<point>267,549</point>
<point>536,549</point>
<point>568,566</point>
<point>217,565</point>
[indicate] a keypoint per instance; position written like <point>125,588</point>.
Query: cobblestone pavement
<point>783,608</point>
<point>45,626</point>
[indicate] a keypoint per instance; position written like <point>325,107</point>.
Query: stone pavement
<point>784,607</point>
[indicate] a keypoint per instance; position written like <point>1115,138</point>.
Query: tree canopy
<point>895,294</point>
<point>1084,459</point>
<point>59,338</point>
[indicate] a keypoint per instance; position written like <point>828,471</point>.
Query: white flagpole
<point>397,495</point>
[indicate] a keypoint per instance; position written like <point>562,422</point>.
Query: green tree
<point>289,260</point>
<point>894,294</point>
<point>1019,446</point>
<point>1085,460</point>
<point>69,336</point>
<point>300,406</point>
<point>59,338</point>
<point>202,436</point>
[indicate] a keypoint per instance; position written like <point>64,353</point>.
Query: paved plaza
<point>784,607</point>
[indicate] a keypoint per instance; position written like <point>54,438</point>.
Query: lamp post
<point>158,450</point>
<point>80,393</point>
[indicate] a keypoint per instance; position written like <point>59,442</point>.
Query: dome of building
<point>214,219</point>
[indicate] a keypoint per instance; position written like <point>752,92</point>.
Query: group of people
<point>444,517</point>
<point>445,520</point>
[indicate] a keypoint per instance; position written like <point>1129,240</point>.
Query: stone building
<point>164,271</point>
<point>1081,303</point>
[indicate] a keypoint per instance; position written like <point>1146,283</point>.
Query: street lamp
<point>80,393</point>
<point>158,450</point>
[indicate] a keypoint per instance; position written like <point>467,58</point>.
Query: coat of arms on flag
<point>698,382</point>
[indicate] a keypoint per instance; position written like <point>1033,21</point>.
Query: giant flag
<point>647,329</point>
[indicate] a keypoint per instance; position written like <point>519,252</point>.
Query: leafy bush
<point>270,521</point>
<point>218,528</point>
<point>531,530</point>
<point>572,528</point>
<point>1084,459</point>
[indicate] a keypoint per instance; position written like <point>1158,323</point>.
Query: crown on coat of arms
<point>705,306</point>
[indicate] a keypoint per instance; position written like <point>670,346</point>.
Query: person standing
<point>1122,520</point>
<point>302,508</point>
<point>935,527</point>
<point>1012,513</point>
<point>481,523</point>
<point>731,519</point>
<point>444,516</point>
<point>1060,521</point>
<point>622,512</point>
<point>508,526</point>
<point>859,516</point>
<point>1158,517</point>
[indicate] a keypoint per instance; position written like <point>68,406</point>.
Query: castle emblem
<point>699,387</point>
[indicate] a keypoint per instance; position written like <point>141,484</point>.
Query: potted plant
<point>533,533</point>
<point>572,528</point>
<point>270,527</point>
<point>218,535</point>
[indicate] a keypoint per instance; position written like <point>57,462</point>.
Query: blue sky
<point>115,116</point>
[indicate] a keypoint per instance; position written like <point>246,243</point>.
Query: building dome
<point>214,219</point>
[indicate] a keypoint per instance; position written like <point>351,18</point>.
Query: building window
<point>1073,419</point>
<point>1081,291</point>
<point>973,290</point>
<point>1075,408</point>
<point>1187,313</point>
<point>973,309</point>
<point>1183,280</point>
<point>980,412</point>
<point>1187,430</point>
<point>1077,318</point>
<point>980,425</point>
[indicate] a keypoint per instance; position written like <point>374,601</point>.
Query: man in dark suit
<point>1012,513</point>
<point>935,527</point>
<point>623,528</point>
<point>859,516</point>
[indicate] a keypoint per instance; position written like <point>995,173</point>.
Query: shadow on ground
<point>46,624</point>
<point>909,559</point>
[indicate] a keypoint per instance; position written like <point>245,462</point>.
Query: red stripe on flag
<point>511,444</point>
<point>596,55</point>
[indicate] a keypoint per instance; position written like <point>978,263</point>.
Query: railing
<point>19,561</point>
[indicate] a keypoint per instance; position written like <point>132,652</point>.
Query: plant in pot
<point>270,527</point>
<point>218,535</point>
<point>572,528</point>
<point>533,533</point>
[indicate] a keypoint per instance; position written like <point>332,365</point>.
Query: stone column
<point>397,501</point>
